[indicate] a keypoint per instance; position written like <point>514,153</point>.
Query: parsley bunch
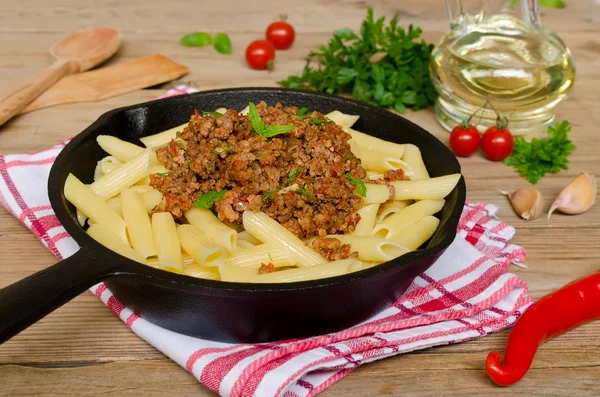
<point>542,155</point>
<point>399,79</point>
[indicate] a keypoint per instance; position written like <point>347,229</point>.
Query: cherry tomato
<point>260,54</point>
<point>497,143</point>
<point>281,34</point>
<point>464,141</point>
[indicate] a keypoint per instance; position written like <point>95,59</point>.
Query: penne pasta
<point>266,229</point>
<point>205,221</point>
<point>166,241</point>
<point>367,143</point>
<point>264,253</point>
<point>115,204</point>
<point>109,164</point>
<point>94,207</point>
<point>330,269</point>
<point>138,223</point>
<point>416,235</point>
<point>81,218</point>
<point>105,237</point>
<point>187,260</point>
<point>361,265</point>
<point>388,209</point>
<point>109,185</point>
<point>372,175</point>
<point>246,236</point>
<point>376,194</point>
<point>410,215</point>
<point>426,189</point>
<point>368,214</point>
<point>141,188</point>
<point>151,199</point>
<point>412,156</point>
<point>236,274</point>
<point>157,140</point>
<point>241,244</point>
<point>195,270</point>
<point>343,120</point>
<point>122,150</point>
<point>197,245</point>
<point>380,161</point>
<point>369,248</point>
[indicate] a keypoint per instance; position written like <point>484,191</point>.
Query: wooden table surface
<point>82,349</point>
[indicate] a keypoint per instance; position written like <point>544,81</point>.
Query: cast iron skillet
<point>232,312</point>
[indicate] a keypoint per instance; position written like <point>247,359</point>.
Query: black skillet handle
<point>28,300</point>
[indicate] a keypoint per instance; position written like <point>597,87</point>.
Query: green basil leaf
<point>222,43</point>
<point>552,3</point>
<point>208,199</point>
<point>273,130</point>
<point>255,120</point>
<point>198,39</point>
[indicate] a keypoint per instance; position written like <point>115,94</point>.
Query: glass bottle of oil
<point>497,50</point>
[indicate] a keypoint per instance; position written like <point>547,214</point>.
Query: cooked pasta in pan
<point>268,194</point>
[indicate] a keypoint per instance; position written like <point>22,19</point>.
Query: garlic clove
<point>577,197</point>
<point>527,202</point>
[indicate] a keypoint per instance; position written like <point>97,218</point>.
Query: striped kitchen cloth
<point>466,294</point>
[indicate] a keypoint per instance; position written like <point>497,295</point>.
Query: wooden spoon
<point>75,53</point>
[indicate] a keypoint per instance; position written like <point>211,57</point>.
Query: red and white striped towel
<point>465,295</point>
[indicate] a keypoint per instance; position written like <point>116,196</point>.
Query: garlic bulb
<point>577,197</point>
<point>527,202</point>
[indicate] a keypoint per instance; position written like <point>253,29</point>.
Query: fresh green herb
<point>316,121</point>
<point>292,176</point>
<point>225,149</point>
<point>399,79</point>
<point>198,39</point>
<point>350,158</point>
<point>222,43</point>
<point>165,173</point>
<point>153,208</point>
<point>305,192</point>
<point>210,164</point>
<point>263,130</point>
<point>208,199</point>
<point>207,114</point>
<point>190,161</point>
<point>266,196</point>
<point>362,189</point>
<point>302,112</point>
<point>542,155</point>
<point>270,257</point>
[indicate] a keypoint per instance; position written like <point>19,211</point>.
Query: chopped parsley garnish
<point>153,208</point>
<point>350,158</point>
<point>266,196</point>
<point>302,112</point>
<point>362,189</point>
<point>305,192</point>
<point>208,199</point>
<point>542,155</point>
<point>165,173</point>
<point>190,161</point>
<point>217,114</point>
<point>292,176</point>
<point>316,121</point>
<point>266,131</point>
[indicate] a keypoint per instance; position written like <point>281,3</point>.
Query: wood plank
<point>83,349</point>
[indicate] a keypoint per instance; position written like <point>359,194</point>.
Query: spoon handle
<point>13,103</point>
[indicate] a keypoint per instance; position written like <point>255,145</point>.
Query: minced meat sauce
<point>298,178</point>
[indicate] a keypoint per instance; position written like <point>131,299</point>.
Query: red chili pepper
<point>573,305</point>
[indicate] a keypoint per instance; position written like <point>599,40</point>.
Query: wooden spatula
<point>110,81</point>
<point>75,53</point>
